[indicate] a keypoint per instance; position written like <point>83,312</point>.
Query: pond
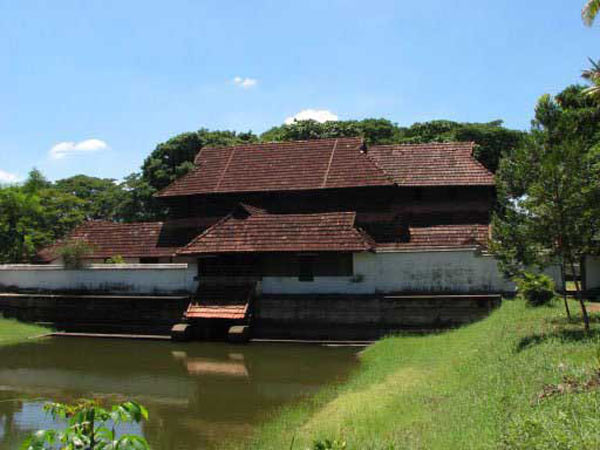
<point>198,394</point>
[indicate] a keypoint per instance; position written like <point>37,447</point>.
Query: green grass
<point>14,332</point>
<point>472,388</point>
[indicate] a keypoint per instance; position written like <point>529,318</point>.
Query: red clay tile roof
<point>232,312</point>
<point>256,231</point>
<point>129,240</point>
<point>440,236</point>
<point>281,166</point>
<point>433,164</point>
<point>221,302</point>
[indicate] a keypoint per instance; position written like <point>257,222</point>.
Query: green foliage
<point>117,259</point>
<point>374,131</point>
<point>536,289</point>
<point>548,189</point>
<point>329,445</point>
<point>90,427</point>
<point>102,197</point>
<point>34,215</point>
<point>74,252</point>
<point>138,203</point>
<point>590,11</point>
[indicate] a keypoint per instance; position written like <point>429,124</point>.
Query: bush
<point>73,253</point>
<point>536,289</point>
<point>90,427</point>
<point>117,259</point>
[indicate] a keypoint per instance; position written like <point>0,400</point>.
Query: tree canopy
<point>548,189</point>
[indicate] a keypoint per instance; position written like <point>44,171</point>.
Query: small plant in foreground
<point>329,445</point>
<point>536,289</point>
<point>90,427</point>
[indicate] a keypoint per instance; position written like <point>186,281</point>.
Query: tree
<point>548,190</point>
<point>138,203</point>
<point>35,215</point>
<point>101,196</point>
<point>90,427</point>
<point>19,212</point>
<point>592,75</point>
<point>589,11</point>
<point>374,131</point>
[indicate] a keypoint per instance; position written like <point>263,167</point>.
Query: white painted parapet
<point>107,278</point>
<point>464,271</point>
<point>591,269</point>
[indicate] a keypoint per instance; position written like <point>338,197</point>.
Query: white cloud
<point>63,149</point>
<point>6,177</point>
<point>245,83</point>
<point>320,115</point>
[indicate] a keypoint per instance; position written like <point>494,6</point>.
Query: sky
<point>92,86</point>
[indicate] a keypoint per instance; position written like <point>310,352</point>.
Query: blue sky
<point>92,86</point>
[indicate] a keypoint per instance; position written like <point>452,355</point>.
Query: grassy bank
<point>523,378</point>
<point>13,332</point>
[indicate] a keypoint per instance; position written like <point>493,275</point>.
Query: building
<point>304,235</point>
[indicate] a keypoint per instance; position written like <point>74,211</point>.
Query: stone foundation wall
<point>320,317</point>
<point>97,313</point>
<point>363,317</point>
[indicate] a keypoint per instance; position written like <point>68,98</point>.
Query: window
<point>228,266</point>
<point>149,260</point>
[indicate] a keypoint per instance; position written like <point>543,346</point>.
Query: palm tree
<point>589,11</point>
<point>593,76</point>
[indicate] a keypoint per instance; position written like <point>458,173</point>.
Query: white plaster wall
<point>117,278</point>
<point>592,272</point>
<point>439,271</point>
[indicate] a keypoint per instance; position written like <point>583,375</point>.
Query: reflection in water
<point>203,366</point>
<point>198,394</point>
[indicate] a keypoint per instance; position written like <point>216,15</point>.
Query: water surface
<point>198,394</point>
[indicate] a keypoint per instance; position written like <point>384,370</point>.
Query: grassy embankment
<point>522,378</point>
<point>14,332</point>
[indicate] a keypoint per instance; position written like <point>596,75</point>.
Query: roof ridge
<point>225,169</point>
<point>329,164</point>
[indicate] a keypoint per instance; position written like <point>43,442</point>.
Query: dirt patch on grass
<point>570,385</point>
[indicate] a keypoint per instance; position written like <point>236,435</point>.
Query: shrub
<point>73,253</point>
<point>117,259</point>
<point>90,427</point>
<point>536,289</point>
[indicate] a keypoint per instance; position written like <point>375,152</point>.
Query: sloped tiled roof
<point>439,237</point>
<point>432,164</point>
<point>221,302</point>
<point>281,166</point>
<point>140,239</point>
<point>250,230</point>
<point>231,312</point>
